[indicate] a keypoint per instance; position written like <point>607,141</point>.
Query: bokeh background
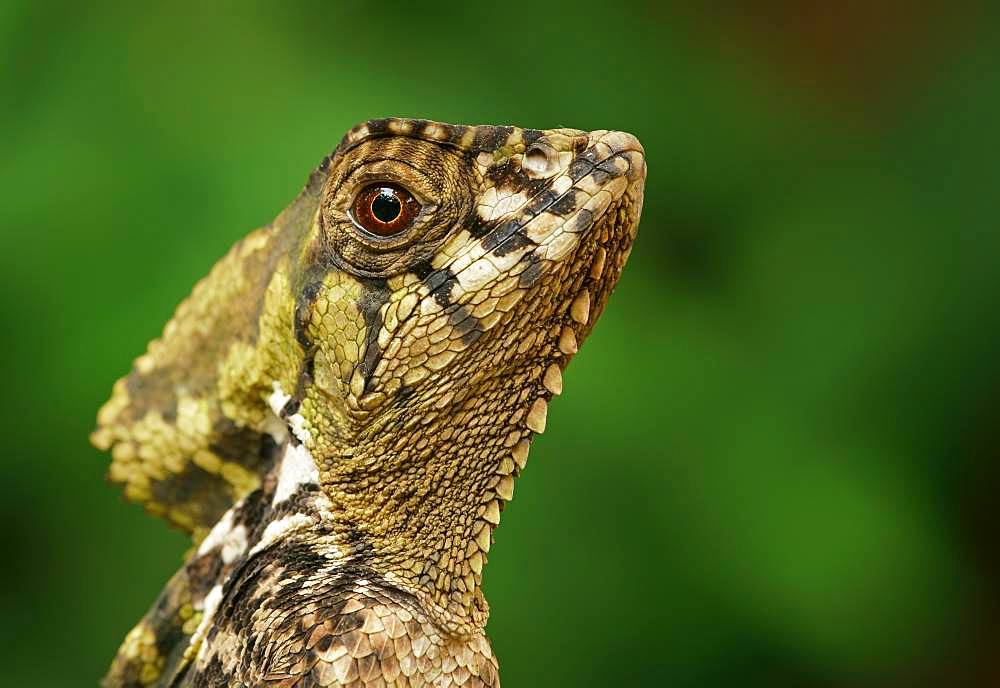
<point>776,462</point>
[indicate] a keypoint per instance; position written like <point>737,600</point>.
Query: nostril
<point>536,161</point>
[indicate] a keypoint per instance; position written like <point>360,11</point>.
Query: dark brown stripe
<point>374,294</point>
<point>439,284</point>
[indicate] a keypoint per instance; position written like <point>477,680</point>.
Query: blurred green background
<point>777,458</point>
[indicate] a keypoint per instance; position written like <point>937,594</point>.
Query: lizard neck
<point>410,528</point>
<point>422,491</point>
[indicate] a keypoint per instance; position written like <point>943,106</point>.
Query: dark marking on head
<point>303,381</point>
<point>419,126</point>
<point>610,169</point>
<point>565,204</point>
<point>599,175</point>
<point>510,176</point>
<point>589,155</point>
<point>541,201</point>
<point>516,241</point>
<point>530,136</point>
<point>485,139</point>
<point>507,174</point>
<point>422,269</point>
<point>502,134</point>
<point>380,127</point>
<point>374,294</point>
<point>303,306</point>
<point>581,222</point>
<point>530,276</point>
<point>465,323</point>
<point>440,283</point>
<point>579,168</point>
<point>455,133</point>
<point>477,226</point>
<point>501,234</point>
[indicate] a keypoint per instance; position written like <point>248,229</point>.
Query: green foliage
<point>764,465</point>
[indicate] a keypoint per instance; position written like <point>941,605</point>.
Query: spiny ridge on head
<point>473,139</point>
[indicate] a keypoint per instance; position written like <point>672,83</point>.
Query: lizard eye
<point>385,209</point>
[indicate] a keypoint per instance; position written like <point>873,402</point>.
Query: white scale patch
<point>494,204</point>
<point>296,422</point>
<point>297,468</point>
<point>561,184</point>
<point>477,275</point>
<point>234,545</point>
<point>277,529</point>
<point>278,399</point>
<point>231,542</point>
<point>217,535</point>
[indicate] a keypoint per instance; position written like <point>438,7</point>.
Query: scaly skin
<point>338,418</point>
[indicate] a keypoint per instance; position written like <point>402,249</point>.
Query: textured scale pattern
<point>338,417</point>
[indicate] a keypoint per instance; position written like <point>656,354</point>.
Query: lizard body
<point>338,411</point>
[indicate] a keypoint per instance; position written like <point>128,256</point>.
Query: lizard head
<point>447,261</point>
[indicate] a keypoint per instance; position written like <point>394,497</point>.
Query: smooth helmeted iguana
<point>338,411</point>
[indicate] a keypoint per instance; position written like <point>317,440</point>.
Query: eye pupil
<point>385,209</point>
<point>386,206</point>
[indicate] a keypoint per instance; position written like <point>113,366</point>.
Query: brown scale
<point>378,360</point>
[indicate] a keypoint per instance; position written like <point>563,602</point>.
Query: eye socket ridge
<point>384,209</point>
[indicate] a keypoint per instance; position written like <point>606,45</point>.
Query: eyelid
<point>364,179</point>
<point>363,185</point>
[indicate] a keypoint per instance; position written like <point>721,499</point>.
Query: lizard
<point>339,409</point>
